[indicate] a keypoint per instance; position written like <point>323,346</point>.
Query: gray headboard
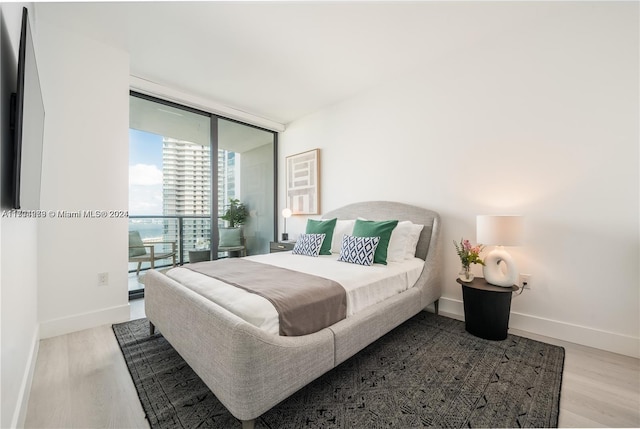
<point>389,210</point>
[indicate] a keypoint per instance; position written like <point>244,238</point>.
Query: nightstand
<point>486,308</point>
<point>281,246</point>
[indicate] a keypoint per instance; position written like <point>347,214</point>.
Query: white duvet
<point>364,285</point>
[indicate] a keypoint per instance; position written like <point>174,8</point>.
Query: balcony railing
<point>189,232</point>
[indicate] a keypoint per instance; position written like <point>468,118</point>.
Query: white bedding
<point>365,286</point>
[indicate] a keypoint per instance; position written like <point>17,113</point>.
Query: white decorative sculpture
<point>502,230</point>
<point>493,272</point>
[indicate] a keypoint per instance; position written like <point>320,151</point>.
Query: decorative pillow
<point>398,241</point>
<point>308,244</point>
<point>358,250</point>
<point>412,241</point>
<point>230,237</point>
<point>136,246</point>
<point>343,227</point>
<point>382,229</point>
<point>322,227</point>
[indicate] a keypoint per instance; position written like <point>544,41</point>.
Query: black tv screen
<point>28,125</point>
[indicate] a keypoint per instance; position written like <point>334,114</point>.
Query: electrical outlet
<point>525,281</point>
<point>103,279</point>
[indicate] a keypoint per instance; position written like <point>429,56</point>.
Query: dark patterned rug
<point>428,372</point>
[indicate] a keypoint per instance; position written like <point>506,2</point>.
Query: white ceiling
<point>285,60</point>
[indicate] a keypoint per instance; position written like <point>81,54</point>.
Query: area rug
<point>428,372</point>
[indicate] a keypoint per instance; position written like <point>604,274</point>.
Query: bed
<point>250,369</point>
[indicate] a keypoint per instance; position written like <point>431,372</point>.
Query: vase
<point>465,274</point>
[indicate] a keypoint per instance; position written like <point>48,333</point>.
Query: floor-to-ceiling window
<point>185,166</point>
<point>246,172</point>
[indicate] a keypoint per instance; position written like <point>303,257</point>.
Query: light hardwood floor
<point>81,381</point>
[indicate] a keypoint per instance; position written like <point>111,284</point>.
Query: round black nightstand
<point>486,308</point>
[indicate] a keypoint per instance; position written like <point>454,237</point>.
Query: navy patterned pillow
<point>358,250</point>
<point>308,244</point>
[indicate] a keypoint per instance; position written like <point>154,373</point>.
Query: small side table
<point>486,308</point>
<point>281,246</point>
<point>199,255</point>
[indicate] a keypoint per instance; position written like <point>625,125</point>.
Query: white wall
<point>542,122</point>
<point>85,87</point>
<point>18,256</point>
<point>49,269</point>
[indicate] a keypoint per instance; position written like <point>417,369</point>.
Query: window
<point>178,190</point>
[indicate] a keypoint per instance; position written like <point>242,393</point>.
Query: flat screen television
<point>27,125</point>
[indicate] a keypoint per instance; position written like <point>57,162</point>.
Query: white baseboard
<point>609,341</point>
<point>78,322</point>
<point>20,412</point>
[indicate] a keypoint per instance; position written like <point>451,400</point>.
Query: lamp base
<point>285,236</point>
<point>493,272</point>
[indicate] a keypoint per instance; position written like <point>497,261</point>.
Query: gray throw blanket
<point>305,303</point>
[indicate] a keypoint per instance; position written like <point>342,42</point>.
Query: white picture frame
<point>303,182</point>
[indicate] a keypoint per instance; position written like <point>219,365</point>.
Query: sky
<point>145,173</point>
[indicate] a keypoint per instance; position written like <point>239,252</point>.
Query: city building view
<point>185,196</point>
<point>172,192</point>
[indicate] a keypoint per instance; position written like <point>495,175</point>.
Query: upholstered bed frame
<point>249,370</point>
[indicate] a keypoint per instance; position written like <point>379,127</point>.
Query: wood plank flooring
<point>81,381</point>
<point>599,388</point>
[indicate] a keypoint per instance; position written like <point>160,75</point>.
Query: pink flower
<point>466,244</point>
<point>468,253</point>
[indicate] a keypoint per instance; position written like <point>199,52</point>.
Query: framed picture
<point>303,182</point>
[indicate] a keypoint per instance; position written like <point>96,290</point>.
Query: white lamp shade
<point>286,213</point>
<point>499,230</point>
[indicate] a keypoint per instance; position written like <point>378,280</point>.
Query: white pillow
<point>412,241</point>
<point>343,227</point>
<point>396,252</point>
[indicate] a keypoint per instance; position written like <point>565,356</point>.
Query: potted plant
<point>236,213</point>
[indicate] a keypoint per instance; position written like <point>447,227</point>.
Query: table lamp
<point>285,214</point>
<point>500,231</point>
